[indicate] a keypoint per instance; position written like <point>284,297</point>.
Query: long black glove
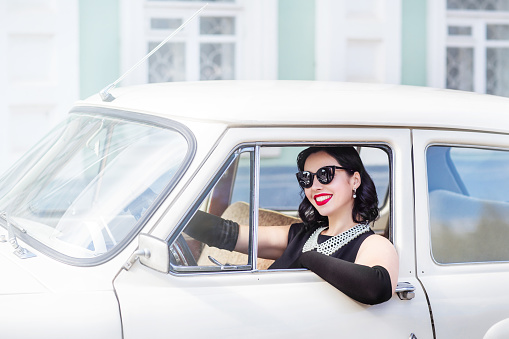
<point>213,230</point>
<point>368,285</point>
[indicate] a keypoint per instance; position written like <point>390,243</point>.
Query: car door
<point>209,294</point>
<point>462,229</point>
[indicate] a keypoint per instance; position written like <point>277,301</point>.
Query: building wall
<point>38,71</point>
<point>413,42</point>
<point>296,40</point>
<point>99,44</point>
<point>358,41</point>
<point>85,49</point>
<point>298,20</point>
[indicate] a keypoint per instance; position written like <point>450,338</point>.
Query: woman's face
<point>336,198</point>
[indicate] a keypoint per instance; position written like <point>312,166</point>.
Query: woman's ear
<point>356,177</point>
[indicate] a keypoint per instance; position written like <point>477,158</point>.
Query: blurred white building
<point>53,52</point>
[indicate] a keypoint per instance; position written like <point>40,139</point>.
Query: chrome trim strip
<point>207,269</point>
<point>255,204</point>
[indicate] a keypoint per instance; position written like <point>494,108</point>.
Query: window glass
<point>469,204</point>
<point>497,71</point>
<point>88,186</point>
<point>217,25</point>
<point>168,63</point>
<point>190,253</point>
<point>460,68</point>
<point>459,30</point>
<point>217,61</point>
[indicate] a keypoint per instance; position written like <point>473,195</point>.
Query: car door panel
<point>287,303</point>
<point>459,292</point>
<point>269,304</point>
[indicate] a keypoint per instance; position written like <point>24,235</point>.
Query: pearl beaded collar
<point>334,243</point>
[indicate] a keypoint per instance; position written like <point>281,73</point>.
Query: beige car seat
<point>239,212</point>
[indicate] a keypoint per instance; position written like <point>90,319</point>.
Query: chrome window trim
<point>255,204</point>
<point>255,167</point>
<point>191,270</point>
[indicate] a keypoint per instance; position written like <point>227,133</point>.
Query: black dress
<point>297,237</point>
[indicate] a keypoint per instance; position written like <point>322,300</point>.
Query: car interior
<point>229,199</point>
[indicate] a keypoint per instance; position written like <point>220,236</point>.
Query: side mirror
<point>152,252</point>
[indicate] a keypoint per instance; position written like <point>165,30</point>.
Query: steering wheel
<point>181,254</point>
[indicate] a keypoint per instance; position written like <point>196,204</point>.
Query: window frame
<point>457,177</point>
<point>439,41</point>
<point>256,50</point>
<point>253,220</point>
<point>255,159</point>
<point>427,268</point>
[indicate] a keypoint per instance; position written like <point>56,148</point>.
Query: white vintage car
<point>92,218</point>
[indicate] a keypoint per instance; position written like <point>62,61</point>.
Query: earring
<point>355,193</point>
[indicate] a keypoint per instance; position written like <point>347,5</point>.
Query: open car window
<point>278,195</point>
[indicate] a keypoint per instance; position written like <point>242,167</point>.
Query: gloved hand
<point>213,230</point>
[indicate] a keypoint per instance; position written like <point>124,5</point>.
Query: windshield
<point>82,190</point>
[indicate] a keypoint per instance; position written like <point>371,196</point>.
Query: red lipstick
<point>322,199</point>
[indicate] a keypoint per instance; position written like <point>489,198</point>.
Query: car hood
<point>14,279</point>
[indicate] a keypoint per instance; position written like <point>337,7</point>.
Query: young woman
<point>334,240</point>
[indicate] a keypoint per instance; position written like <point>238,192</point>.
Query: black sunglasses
<point>324,176</point>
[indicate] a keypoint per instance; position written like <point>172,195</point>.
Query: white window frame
<point>255,35</point>
<point>439,19</point>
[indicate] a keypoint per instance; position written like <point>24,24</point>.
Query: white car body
<point>55,296</point>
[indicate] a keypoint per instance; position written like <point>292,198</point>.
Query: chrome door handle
<point>405,291</point>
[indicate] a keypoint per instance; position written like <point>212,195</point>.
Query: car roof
<point>303,103</point>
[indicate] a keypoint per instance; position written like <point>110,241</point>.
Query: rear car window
<point>468,204</point>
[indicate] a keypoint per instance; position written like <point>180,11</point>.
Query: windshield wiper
<point>21,252</point>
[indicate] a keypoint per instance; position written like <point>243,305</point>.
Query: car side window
<point>279,190</point>
<point>468,204</point>
<point>189,254</point>
<point>278,194</point>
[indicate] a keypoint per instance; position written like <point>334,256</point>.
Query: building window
<point>476,46</point>
<point>229,39</point>
<point>206,49</point>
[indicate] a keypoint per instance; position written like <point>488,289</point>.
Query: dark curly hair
<point>365,209</point>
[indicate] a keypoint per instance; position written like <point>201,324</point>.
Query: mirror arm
<point>135,256</point>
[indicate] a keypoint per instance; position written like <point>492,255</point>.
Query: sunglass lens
<point>325,175</point>
<point>305,179</point>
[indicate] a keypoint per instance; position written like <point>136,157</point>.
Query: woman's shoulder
<point>375,247</point>
<point>377,250</point>
<point>377,240</point>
